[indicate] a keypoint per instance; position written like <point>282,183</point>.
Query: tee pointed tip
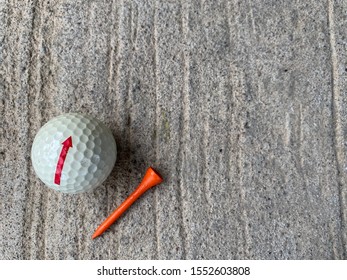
<point>95,235</point>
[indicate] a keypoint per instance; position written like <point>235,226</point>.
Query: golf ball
<point>73,153</point>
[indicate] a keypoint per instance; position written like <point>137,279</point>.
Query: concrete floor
<point>240,105</point>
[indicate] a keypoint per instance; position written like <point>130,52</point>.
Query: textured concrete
<point>241,106</point>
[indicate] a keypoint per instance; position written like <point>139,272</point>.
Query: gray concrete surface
<point>241,106</point>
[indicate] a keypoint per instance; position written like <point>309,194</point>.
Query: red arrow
<point>67,144</point>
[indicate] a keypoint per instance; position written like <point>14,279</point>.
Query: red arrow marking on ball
<point>67,144</point>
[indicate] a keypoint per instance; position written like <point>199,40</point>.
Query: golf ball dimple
<point>77,164</point>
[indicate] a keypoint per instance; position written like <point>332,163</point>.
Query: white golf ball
<point>73,153</point>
